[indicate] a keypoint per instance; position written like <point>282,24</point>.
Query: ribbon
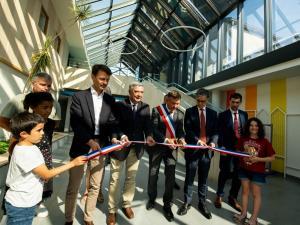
<point>103,151</point>
<point>114,147</point>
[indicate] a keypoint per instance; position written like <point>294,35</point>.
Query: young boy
<point>42,103</point>
<point>27,169</point>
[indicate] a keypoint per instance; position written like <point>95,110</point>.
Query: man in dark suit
<point>168,154</point>
<point>200,124</point>
<point>134,123</point>
<point>92,118</point>
<point>231,124</point>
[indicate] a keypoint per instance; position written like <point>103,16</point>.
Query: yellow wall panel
<point>278,94</point>
<point>278,110</point>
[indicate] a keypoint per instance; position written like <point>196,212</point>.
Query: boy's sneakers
<point>42,211</point>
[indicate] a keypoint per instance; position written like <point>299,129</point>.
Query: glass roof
<point>117,27</point>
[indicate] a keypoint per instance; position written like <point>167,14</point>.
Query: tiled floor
<point>280,200</point>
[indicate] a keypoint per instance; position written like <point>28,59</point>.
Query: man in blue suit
<point>200,124</point>
<point>231,124</point>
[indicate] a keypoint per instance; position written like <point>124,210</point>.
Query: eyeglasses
<point>202,101</point>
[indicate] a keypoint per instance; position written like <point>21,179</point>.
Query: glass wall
<point>285,22</point>
<point>253,29</point>
<point>180,68</point>
<point>229,42</point>
<point>212,51</point>
<point>190,65</point>
<point>199,60</point>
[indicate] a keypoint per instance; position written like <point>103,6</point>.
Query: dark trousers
<point>155,158</point>
<point>229,169</point>
<point>202,163</point>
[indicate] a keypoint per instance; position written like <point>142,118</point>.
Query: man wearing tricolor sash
<point>200,125</point>
<point>167,123</point>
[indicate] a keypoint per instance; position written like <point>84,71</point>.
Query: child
<point>27,169</point>
<point>252,169</point>
<point>41,103</point>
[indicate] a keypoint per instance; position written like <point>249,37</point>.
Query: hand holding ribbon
<point>150,141</point>
<point>171,143</point>
<point>125,141</point>
<point>201,143</point>
<point>94,145</point>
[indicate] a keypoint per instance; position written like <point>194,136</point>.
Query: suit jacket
<point>159,130</point>
<point>226,131</point>
<point>192,129</point>
<point>83,121</point>
<point>135,128</point>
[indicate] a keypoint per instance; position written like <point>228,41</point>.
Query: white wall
<point>12,83</point>
<point>293,94</point>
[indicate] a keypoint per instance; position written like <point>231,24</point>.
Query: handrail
<point>179,87</point>
<point>78,63</point>
<point>165,88</point>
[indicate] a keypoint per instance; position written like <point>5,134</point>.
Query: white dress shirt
<point>97,102</point>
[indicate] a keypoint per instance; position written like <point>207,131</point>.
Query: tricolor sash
<point>166,118</point>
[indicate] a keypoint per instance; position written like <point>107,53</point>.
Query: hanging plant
<point>41,59</point>
<point>81,13</point>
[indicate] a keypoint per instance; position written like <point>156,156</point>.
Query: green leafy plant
<point>3,147</point>
<point>41,59</point>
<point>81,13</point>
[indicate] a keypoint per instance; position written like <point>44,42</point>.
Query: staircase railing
<point>165,87</point>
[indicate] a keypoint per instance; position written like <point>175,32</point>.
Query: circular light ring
<point>125,53</point>
<point>164,34</point>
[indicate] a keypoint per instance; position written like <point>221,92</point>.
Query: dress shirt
<point>97,102</point>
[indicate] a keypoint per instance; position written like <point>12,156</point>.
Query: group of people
<point>97,121</point>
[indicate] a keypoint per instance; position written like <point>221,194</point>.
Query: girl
<point>41,103</point>
<point>252,169</point>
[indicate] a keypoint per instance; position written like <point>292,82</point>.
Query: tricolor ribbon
<point>199,147</point>
<point>110,148</point>
<point>166,118</point>
<point>103,151</point>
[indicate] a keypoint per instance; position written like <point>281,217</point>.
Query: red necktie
<point>236,126</point>
<point>202,127</point>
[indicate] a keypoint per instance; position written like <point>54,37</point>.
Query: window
<point>229,43</point>
<point>253,29</point>
<point>199,60</point>
<point>180,68</point>
<point>212,51</point>
<point>57,43</point>
<point>190,65</point>
<point>285,22</point>
<point>43,21</point>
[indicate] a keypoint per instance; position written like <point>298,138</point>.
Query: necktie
<point>236,126</point>
<point>202,127</point>
<point>133,110</point>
